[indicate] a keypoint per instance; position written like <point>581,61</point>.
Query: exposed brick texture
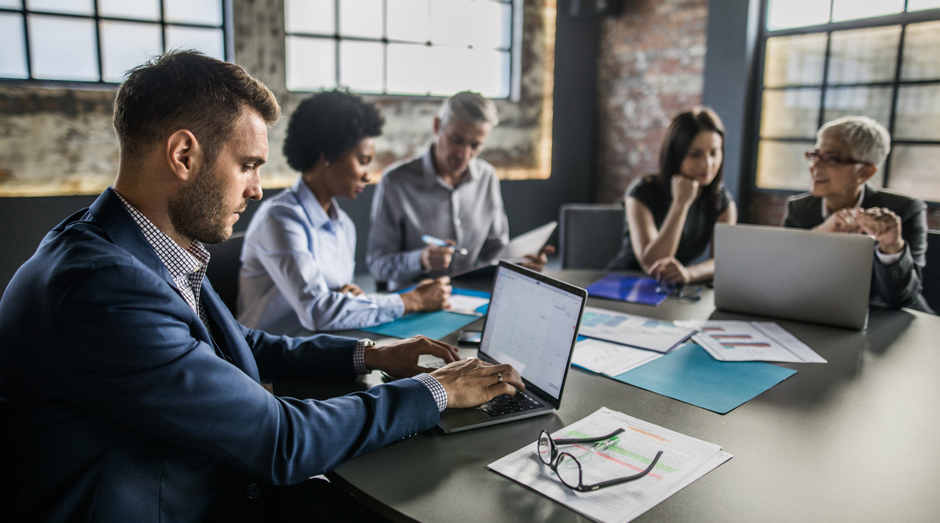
<point>652,58</point>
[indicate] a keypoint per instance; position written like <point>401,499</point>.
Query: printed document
<point>684,460</point>
<point>635,331</point>
<point>751,341</point>
<point>610,359</point>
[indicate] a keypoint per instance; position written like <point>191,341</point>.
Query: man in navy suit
<point>127,390</point>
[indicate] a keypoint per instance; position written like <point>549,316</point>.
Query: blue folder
<point>627,288</point>
<point>434,325</point>
<point>690,374</point>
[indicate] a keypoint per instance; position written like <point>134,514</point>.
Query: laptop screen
<point>531,325</point>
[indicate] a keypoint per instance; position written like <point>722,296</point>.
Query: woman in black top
<point>671,216</point>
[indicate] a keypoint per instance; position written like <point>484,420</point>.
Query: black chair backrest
<point>590,235</point>
<point>932,271</point>
<point>223,269</point>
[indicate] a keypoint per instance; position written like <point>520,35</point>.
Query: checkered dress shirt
<point>187,267</point>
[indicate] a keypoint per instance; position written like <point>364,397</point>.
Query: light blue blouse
<point>294,261</point>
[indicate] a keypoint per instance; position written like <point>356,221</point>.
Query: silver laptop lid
<point>794,274</point>
<point>532,324</point>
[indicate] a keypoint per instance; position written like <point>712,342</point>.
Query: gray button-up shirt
<point>412,200</point>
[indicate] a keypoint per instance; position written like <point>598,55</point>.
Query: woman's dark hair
<point>329,123</point>
<point>679,137</point>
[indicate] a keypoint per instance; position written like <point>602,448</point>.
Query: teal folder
<point>690,374</point>
<point>434,325</point>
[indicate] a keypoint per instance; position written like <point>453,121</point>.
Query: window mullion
<point>894,100</point>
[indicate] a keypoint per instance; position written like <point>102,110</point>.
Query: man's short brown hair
<point>186,90</point>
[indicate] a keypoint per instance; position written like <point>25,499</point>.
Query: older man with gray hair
<point>447,193</point>
<point>848,153</point>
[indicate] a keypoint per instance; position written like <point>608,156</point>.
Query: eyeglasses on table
<point>568,468</point>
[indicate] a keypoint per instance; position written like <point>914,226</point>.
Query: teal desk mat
<point>690,374</point>
<point>434,325</point>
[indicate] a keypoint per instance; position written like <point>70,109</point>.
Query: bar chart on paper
<point>751,341</point>
<point>635,331</point>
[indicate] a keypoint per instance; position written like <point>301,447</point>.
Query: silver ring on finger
<point>499,376</point>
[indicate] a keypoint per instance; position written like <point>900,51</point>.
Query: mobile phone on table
<point>470,337</point>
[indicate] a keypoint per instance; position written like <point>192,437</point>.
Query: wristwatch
<point>365,343</point>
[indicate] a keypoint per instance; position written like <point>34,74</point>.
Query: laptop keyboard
<point>505,404</point>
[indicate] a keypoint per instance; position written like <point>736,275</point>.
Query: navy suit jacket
<point>898,284</point>
<point>115,405</point>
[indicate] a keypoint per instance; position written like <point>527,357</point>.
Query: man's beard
<point>198,211</point>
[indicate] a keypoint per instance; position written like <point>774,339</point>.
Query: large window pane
<point>207,12</point>
<point>795,60</point>
<point>209,41</point>
<point>125,45</point>
<point>854,9</point>
<point>408,71</point>
<point>310,16</point>
<point>918,113</point>
<point>362,18</point>
<point>11,4</point>
<point>136,9</point>
<point>864,55</point>
<point>63,48</point>
<point>781,165</point>
<point>492,22</point>
<point>489,72</point>
<point>790,113</point>
<point>920,5</point>
<point>921,42</point>
<point>451,73</point>
<point>73,7</point>
<point>784,14</point>
<point>13,57</point>
<point>311,63</point>
<point>408,20</point>
<point>914,171</point>
<point>448,22</point>
<point>361,65</point>
<point>874,102</point>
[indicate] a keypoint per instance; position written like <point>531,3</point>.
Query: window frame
<point>901,19</point>
<point>515,53</point>
<point>228,42</point>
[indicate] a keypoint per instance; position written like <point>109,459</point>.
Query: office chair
<point>931,274</point>
<point>590,235</point>
<point>223,269</point>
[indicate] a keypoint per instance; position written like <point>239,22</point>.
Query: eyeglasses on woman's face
<point>829,160</point>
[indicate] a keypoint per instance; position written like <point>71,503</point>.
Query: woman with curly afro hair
<point>299,254</point>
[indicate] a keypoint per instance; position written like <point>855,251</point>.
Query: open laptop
<point>532,324</point>
<point>794,274</point>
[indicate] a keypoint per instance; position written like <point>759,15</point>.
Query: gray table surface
<point>856,439</point>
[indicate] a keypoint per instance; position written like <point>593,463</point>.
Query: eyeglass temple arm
<point>572,441</point>
<point>612,482</point>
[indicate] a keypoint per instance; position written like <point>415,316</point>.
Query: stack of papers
<point>751,341</point>
<point>609,359</point>
<point>635,331</point>
<point>684,460</point>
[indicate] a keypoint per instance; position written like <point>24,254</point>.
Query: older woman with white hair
<point>847,155</point>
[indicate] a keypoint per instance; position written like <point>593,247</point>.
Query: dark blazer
<point>115,404</point>
<point>898,284</point>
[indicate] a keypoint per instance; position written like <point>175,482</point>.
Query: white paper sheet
<point>684,460</point>
<point>635,331</point>
<point>611,359</point>
<point>466,304</point>
<point>751,341</point>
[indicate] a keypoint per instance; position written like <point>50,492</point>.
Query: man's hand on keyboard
<point>400,359</point>
<point>471,382</point>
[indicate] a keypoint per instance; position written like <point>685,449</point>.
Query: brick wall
<point>651,63</point>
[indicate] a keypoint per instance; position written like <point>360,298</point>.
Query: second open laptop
<point>532,324</point>
<point>794,274</point>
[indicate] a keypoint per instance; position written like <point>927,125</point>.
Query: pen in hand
<point>437,242</point>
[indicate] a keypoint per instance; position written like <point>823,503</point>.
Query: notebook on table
<point>532,324</point>
<point>794,274</point>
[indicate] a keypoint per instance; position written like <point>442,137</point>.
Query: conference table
<point>854,439</point>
